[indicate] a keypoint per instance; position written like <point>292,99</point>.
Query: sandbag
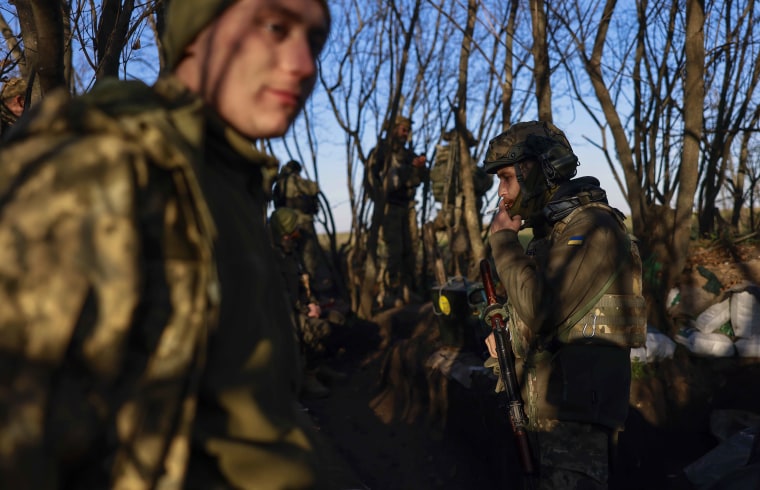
<point>714,317</point>
<point>748,347</point>
<point>745,314</point>
<point>706,344</point>
<point>658,347</point>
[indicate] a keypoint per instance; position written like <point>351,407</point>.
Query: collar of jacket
<point>581,191</point>
<point>195,121</point>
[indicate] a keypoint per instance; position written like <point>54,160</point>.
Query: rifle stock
<point>497,316</point>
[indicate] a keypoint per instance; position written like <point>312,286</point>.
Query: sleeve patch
<point>576,240</point>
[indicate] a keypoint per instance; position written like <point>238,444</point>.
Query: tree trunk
<point>45,26</point>
<point>694,93</point>
<point>541,69</point>
<point>112,36</point>
<point>370,274</point>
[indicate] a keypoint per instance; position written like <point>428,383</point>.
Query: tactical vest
<point>607,319</point>
<point>288,193</point>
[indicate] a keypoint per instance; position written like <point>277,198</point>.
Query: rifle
<point>497,316</point>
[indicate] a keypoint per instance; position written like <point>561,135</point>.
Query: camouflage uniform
<point>399,223</point>
<point>313,333</point>
<point>142,339</point>
<point>300,194</point>
<point>445,182</point>
<point>14,87</point>
<point>575,310</point>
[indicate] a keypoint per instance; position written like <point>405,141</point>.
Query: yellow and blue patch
<point>576,240</point>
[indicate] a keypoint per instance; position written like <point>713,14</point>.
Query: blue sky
<point>331,144</point>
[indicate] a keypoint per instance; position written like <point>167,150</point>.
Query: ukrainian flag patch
<point>576,240</point>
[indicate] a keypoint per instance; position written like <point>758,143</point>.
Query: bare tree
<point>541,69</point>
<point>732,74</point>
<point>72,43</point>
<point>467,170</point>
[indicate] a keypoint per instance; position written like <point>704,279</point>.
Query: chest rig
<point>606,319</point>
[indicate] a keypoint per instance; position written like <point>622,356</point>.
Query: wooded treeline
<point>669,85</point>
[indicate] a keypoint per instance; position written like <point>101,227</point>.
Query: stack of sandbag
<point>745,321</point>
<point>728,327</point>
<point>658,347</point>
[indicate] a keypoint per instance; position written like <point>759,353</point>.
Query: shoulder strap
<point>559,227</point>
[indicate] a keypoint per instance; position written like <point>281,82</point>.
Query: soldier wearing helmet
<point>396,171</point>
<point>149,342</point>
<point>575,302</point>
<point>315,325</point>
<point>13,97</point>
<point>301,195</point>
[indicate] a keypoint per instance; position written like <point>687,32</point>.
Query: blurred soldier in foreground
<point>397,174</point>
<point>314,325</point>
<point>574,301</point>
<point>146,342</point>
<point>301,195</point>
<point>13,97</point>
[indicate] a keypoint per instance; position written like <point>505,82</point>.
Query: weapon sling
<point>496,315</point>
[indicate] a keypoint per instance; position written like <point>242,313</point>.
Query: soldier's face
<point>509,186</point>
<point>402,132</point>
<point>15,105</point>
<point>256,63</point>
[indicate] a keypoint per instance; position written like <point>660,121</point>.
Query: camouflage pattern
<point>146,342</point>
<point>573,456</point>
<point>283,222</point>
<point>398,229</point>
<point>14,87</point>
<point>560,275</point>
<point>398,234</point>
<point>302,196</point>
<point>509,147</point>
<point>446,184</point>
<point>312,333</point>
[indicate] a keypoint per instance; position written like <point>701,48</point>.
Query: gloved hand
<point>493,364</point>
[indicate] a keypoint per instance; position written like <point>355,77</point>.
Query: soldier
<point>13,97</point>
<point>575,302</point>
<point>445,182</point>
<point>314,330</point>
<point>301,195</point>
<point>146,341</point>
<point>405,172</point>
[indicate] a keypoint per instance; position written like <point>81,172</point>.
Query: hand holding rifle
<point>496,316</point>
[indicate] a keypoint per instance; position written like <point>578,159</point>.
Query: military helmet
<point>403,121</point>
<point>185,19</point>
<point>540,140</point>
<point>399,121</point>
<point>283,221</point>
<point>293,166</point>
<point>15,86</point>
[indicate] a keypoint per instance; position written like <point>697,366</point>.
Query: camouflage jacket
<point>145,341</point>
<point>402,178</point>
<point>293,191</point>
<point>563,271</point>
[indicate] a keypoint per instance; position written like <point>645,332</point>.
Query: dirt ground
<point>398,423</point>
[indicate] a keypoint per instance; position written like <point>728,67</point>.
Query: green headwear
<point>547,146</point>
<point>293,167</point>
<point>283,222</point>
<point>13,87</point>
<point>186,18</point>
